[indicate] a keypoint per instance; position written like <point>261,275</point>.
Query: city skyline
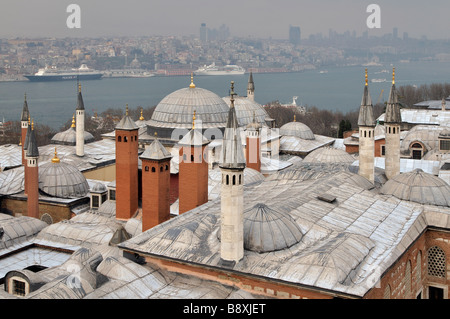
<point>262,19</point>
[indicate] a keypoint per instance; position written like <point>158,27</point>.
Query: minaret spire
<point>80,123</point>
<point>251,88</point>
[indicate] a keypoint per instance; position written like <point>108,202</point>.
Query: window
<point>95,201</point>
<point>387,292</point>
<point>125,139</point>
<point>234,179</point>
<point>408,279</point>
<point>112,194</point>
<point>18,287</point>
<point>435,293</point>
<point>383,150</point>
<point>146,168</point>
<point>153,170</point>
<point>436,262</point>
<point>228,180</point>
<point>167,167</point>
<point>161,169</point>
<point>119,138</point>
<point>444,145</point>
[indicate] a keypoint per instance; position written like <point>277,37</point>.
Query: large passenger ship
<point>53,74</point>
<point>213,69</point>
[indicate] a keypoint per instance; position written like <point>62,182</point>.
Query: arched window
<point>234,179</point>
<point>419,269</point>
<point>437,265</point>
<point>161,169</point>
<point>408,278</point>
<point>240,179</point>
<point>417,150</point>
<point>167,167</point>
<point>119,138</point>
<point>153,170</point>
<point>146,168</point>
<point>228,180</point>
<point>387,292</point>
<point>125,139</point>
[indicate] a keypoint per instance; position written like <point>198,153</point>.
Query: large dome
<point>176,111</point>
<point>420,187</point>
<point>62,180</point>
<point>297,129</point>
<point>69,137</point>
<point>328,155</point>
<point>246,108</point>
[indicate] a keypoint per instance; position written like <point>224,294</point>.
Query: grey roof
<point>328,154</point>
<point>427,117</point>
<point>126,123</point>
<point>69,137</point>
<point>297,129</point>
<point>62,180</point>
<point>18,230</point>
<point>393,114</point>
<point>232,153</point>
<point>27,137</point>
<point>297,145</point>
<point>420,187</point>
<point>80,103</point>
<point>194,138</point>
<point>428,135</point>
<point>176,109</point>
<point>267,230</point>
<point>344,242</point>
<point>251,83</point>
<point>366,110</point>
<point>156,151</point>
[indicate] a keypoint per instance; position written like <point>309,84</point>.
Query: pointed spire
<point>232,154</point>
<point>32,147</point>
<point>192,85</point>
<point>126,123</point>
<point>27,136</point>
<point>393,114</point>
<point>366,110</point>
<point>80,103</point>
<point>25,111</point>
<point>251,84</point>
<point>55,158</point>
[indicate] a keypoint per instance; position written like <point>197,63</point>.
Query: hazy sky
<point>256,18</point>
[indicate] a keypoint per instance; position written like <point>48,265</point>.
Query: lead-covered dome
<point>246,109</point>
<point>328,155</point>
<point>62,180</point>
<point>176,110</point>
<point>267,230</point>
<point>69,137</point>
<point>297,129</point>
<point>420,187</point>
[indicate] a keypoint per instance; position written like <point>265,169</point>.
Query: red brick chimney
<point>155,185</point>
<point>126,168</point>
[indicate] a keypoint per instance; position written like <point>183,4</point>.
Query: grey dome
<point>98,188</point>
<point>297,129</point>
<point>246,108</point>
<point>267,230</point>
<point>69,137</point>
<point>328,155</point>
<point>62,180</point>
<point>420,187</point>
<point>176,109</point>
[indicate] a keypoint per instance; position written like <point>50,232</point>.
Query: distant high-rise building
<point>294,35</point>
<point>203,32</point>
<point>395,33</point>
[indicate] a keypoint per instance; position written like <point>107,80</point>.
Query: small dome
<point>62,180</point>
<point>420,187</point>
<point>266,230</point>
<point>445,133</point>
<point>328,155</point>
<point>98,188</point>
<point>297,129</point>
<point>69,137</point>
<point>246,109</point>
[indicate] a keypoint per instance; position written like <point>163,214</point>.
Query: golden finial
<point>393,75</point>
<point>126,110</point>
<point>32,125</point>
<point>295,117</point>
<point>29,120</point>
<point>156,134</point>
<point>142,116</point>
<point>367,79</point>
<point>55,158</point>
<point>192,85</point>
<point>73,121</point>
<point>193,121</point>
<point>79,87</point>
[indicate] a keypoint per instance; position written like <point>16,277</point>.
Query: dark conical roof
<point>25,112</point>
<point>32,147</point>
<point>251,84</point>
<point>80,103</point>
<point>232,154</point>
<point>393,114</point>
<point>366,110</point>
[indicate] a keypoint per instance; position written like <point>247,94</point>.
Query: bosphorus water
<point>340,88</point>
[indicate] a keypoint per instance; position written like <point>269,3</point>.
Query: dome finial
<point>55,158</point>
<point>367,79</point>
<point>79,87</point>
<point>295,118</point>
<point>73,121</point>
<point>393,75</point>
<point>193,121</point>
<point>192,85</point>
<point>232,94</point>
<point>142,116</point>
<point>32,125</point>
<point>25,96</point>
<point>126,110</point>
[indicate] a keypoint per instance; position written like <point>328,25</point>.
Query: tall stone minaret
<point>366,123</point>
<point>80,124</point>
<point>127,195</point>
<point>251,88</point>
<point>24,126</point>
<point>32,175</point>
<point>392,123</point>
<point>232,165</point>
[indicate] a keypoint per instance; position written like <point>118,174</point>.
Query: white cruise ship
<point>213,69</point>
